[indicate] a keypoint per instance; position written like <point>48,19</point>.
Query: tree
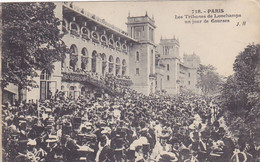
<point>241,93</point>
<point>31,42</point>
<point>208,80</point>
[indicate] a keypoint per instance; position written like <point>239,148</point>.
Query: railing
<point>85,36</point>
<point>104,44</point>
<point>124,81</point>
<point>75,33</point>
<point>96,41</point>
<point>118,48</point>
<point>109,85</point>
<point>111,46</point>
<point>92,16</point>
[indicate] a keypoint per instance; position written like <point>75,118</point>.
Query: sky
<point>216,43</point>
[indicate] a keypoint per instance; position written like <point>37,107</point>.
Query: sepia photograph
<point>130,81</point>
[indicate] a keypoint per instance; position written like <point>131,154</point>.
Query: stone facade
<point>101,48</point>
<point>175,75</point>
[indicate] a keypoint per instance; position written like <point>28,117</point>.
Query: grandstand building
<point>98,49</point>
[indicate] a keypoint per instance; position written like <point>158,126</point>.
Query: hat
<point>185,151</point>
<point>47,110</point>
<point>88,127</point>
<point>88,124</point>
<point>31,142</point>
<point>168,156</point>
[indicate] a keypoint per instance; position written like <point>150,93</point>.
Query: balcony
<point>110,84</point>
<point>95,40</point>
<point>111,46</point>
<point>85,36</point>
<point>104,44</point>
<point>75,33</point>
<point>125,81</point>
<point>118,49</point>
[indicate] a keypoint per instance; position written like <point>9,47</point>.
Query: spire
<point>128,13</point>
<point>152,17</point>
<point>146,13</point>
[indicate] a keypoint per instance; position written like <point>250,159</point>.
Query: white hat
<point>31,142</point>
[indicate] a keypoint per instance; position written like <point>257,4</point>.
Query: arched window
<point>124,47</point>
<point>73,57</point>
<point>103,38</point>
<point>118,44</point>
<point>84,59</point>
<point>84,52</point>
<point>95,36</point>
<point>94,61</point>
<point>85,31</point>
<point>137,56</point>
<point>73,49</point>
<point>74,27</point>
<point>117,66</point>
<point>123,67</point>
<point>111,64</point>
<point>104,63</point>
<point>111,43</point>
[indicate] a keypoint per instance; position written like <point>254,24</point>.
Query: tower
<point>142,53</point>
<point>193,62</point>
<point>169,57</point>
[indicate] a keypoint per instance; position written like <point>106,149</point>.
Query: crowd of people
<point>134,128</point>
<point>114,82</point>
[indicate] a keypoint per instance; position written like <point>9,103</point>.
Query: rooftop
<point>96,19</point>
<point>169,41</point>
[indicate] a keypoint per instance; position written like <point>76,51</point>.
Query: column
<point>99,65</point>
<point>78,65</point>
<point>114,68</point>
<point>106,69</point>
<point>89,64</point>
<point>120,70</point>
<point>67,61</point>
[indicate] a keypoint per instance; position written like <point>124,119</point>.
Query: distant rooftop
<point>169,41</point>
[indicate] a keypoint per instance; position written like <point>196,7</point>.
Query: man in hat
<point>105,153</point>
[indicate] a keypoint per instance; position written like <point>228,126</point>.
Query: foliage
<point>31,42</point>
<point>240,93</point>
<point>209,80</point>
